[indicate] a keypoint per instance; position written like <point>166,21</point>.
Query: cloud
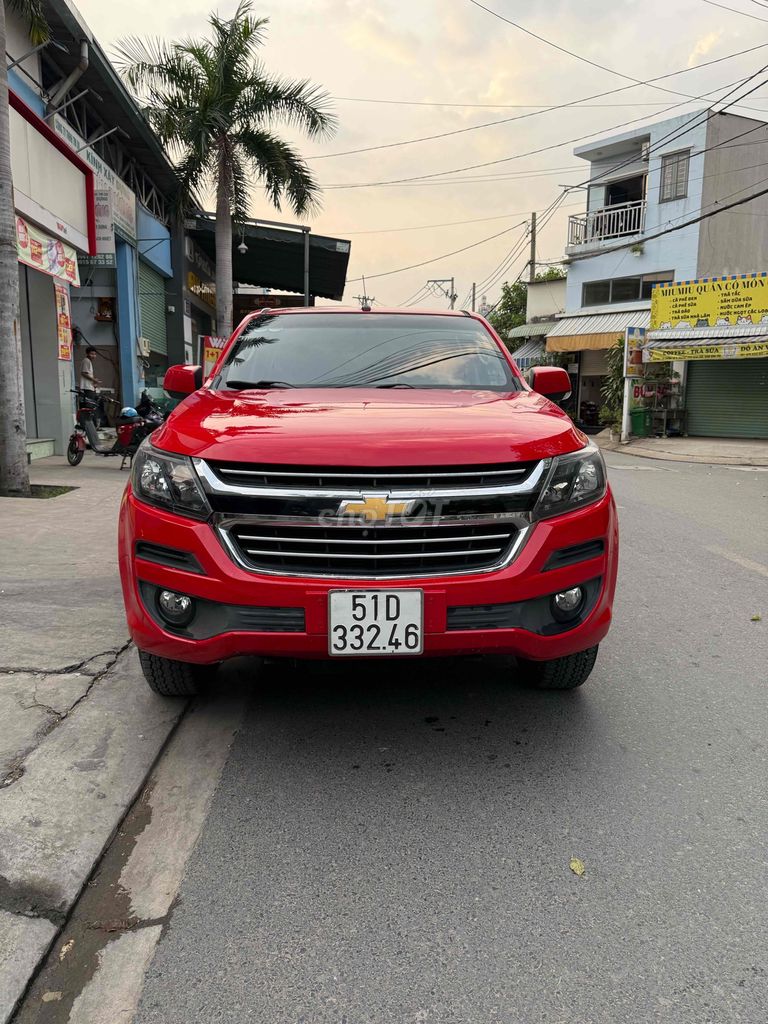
<point>703,47</point>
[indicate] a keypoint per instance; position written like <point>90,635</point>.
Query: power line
<point>434,259</point>
<point>558,106</point>
<point>517,156</point>
<point>733,10</point>
<point>499,106</point>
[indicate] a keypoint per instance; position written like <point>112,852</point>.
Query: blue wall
<point>24,89</point>
<point>154,241</point>
<point>131,370</point>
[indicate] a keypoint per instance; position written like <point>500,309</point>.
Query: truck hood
<point>361,427</point>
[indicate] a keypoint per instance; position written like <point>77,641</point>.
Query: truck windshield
<point>366,350</point>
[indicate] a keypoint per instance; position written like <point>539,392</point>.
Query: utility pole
<point>366,301</point>
<point>449,293</point>
<point>532,263</point>
<point>474,295</point>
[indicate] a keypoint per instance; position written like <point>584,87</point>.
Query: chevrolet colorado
<point>367,484</point>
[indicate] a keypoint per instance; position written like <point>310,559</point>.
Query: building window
<point>674,176</point>
<point>623,289</point>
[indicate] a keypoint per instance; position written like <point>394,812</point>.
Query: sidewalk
<point>80,728</point>
<point>722,451</point>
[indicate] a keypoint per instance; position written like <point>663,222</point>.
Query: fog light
<point>567,604</point>
<point>176,609</point>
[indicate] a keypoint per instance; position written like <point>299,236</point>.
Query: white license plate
<point>368,622</point>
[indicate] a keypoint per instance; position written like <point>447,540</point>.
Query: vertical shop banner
<point>50,255</point>
<point>63,321</point>
<point>211,348</point>
<point>634,339</point>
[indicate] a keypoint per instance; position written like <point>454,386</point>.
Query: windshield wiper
<point>400,384</point>
<point>242,385</point>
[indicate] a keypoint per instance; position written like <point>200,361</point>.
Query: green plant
<point>612,388</point>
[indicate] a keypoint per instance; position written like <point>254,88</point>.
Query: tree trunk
<point>223,249</point>
<point>14,471</point>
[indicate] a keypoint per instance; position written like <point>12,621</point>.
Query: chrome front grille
<point>367,550</point>
<point>313,478</point>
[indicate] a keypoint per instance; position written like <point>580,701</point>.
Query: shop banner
<point>105,224</point>
<point>63,321</point>
<point>711,302</point>
<point>123,199</point>
<point>723,350</point>
<point>211,348</point>
<point>37,249</point>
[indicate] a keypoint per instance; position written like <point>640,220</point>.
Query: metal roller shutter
<point>152,308</point>
<point>728,398</point>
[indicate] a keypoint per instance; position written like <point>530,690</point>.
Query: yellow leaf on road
<point>577,866</point>
<point>756,618</point>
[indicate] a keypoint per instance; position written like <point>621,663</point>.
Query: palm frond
<point>33,12</point>
<point>281,170</point>
<point>297,103</point>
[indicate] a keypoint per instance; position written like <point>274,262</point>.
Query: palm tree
<point>14,472</point>
<point>213,105</point>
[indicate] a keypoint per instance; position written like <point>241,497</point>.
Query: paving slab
<point>23,943</point>
<point>60,599</point>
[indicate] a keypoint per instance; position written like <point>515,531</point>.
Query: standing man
<point>88,379</point>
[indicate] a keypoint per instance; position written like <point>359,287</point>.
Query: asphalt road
<point>391,845</point>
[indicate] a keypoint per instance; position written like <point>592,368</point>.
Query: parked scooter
<point>133,425</point>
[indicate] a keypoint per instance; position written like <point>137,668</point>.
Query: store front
<point>55,223</point>
<point>585,339</point>
<point>716,329</point>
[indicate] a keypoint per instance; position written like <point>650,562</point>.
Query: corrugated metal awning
<point>720,332</point>
<point>537,330</point>
<point>529,353</point>
<point>594,331</point>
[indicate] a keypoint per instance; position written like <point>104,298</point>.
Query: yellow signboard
<point>711,302</point>
<point>723,350</point>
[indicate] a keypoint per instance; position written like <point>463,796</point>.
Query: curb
<point>663,456</point>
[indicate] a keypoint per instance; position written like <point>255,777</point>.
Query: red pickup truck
<point>352,483</point>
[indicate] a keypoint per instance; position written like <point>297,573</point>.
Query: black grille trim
<point>214,617</point>
<point>172,558</point>
<point>534,615</point>
<point>370,550</point>
<point>371,478</point>
<point>576,553</point>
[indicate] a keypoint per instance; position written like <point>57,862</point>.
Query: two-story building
<point>642,184</point>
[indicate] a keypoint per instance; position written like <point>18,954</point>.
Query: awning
<point>730,347</point>
<point>529,354</point>
<point>531,330</point>
<point>594,330</point>
<point>275,257</point>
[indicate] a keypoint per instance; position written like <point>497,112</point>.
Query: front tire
<point>561,673</point>
<point>74,453</point>
<point>172,678</point>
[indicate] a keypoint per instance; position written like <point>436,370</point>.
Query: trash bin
<point>639,419</point>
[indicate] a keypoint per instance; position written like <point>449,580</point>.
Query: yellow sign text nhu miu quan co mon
<point>711,302</point>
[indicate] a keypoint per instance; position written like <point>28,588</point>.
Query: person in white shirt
<point>88,380</point>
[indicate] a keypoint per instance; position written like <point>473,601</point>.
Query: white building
<point>641,184</point>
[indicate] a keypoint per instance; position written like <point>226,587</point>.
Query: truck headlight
<point>168,481</point>
<point>574,480</point>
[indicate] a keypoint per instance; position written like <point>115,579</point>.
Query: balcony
<point>609,222</point>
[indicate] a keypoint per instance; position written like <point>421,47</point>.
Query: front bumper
<point>218,579</point>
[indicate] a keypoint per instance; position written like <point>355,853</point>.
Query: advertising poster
<point>40,251</point>
<point>63,321</point>
<point>211,348</point>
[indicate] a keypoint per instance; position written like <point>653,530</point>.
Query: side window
<point>596,293</point>
<point>674,176</point>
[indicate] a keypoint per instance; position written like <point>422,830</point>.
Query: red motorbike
<point>133,425</point>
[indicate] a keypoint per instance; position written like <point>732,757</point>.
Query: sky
<point>451,66</point>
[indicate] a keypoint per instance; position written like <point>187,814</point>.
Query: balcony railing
<point>608,222</point>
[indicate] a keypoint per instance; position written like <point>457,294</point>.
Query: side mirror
<point>551,381</point>
<point>181,381</point>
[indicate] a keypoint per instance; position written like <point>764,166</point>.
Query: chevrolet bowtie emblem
<point>374,508</point>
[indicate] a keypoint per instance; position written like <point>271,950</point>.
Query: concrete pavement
<point>80,728</point>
